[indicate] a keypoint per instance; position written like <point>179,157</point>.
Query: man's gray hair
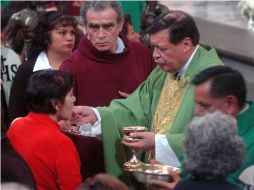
<point>212,146</point>
<point>100,6</point>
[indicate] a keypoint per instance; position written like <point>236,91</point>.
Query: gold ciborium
<point>133,163</point>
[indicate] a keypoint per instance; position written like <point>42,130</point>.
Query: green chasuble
<point>139,109</point>
<point>245,123</point>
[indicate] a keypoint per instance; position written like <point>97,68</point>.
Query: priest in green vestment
<point>163,103</point>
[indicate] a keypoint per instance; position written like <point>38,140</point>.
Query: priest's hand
<point>82,115</point>
<point>157,184</point>
<point>145,142</point>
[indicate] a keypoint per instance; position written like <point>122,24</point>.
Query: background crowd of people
<point>114,64</point>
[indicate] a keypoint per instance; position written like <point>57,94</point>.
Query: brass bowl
<point>155,171</point>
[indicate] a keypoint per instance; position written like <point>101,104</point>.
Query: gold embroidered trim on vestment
<point>171,97</point>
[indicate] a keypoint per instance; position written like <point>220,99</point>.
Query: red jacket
<point>50,154</point>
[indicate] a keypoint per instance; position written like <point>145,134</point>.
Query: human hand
<point>83,115</point>
<point>162,185</point>
<point>65,125</point>
<point>123,94</point>
<point>146,141</point>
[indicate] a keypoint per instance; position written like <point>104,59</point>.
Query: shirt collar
<point>183,70</point>
<point>119,45</point>
<point>42,62</point>
<point>246,106</point>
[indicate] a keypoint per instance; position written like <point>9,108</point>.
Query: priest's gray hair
<point>212,146</point>
<point>100,6</point>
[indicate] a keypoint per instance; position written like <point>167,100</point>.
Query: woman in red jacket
<point>50,154</point>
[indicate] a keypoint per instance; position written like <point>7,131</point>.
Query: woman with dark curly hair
<point>52,40</point>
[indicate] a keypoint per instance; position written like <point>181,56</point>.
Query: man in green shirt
<point>222,88</point>
<point>163,103</point>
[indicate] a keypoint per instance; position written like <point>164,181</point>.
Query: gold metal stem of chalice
<point>134,163</point>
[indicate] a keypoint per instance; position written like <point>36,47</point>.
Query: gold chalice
<point>133,163</point>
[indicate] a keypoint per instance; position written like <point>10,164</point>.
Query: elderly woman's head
<point>212,146</point>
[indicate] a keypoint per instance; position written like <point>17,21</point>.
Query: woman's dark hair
<point>47,87</point>
<point>15,34</point>
<point>47,22</point>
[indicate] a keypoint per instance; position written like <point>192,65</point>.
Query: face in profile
<point>64,110</point>
<point>62,39</point>
<point>170,57</point>
<point>102,29</point>
<point>205,103</point>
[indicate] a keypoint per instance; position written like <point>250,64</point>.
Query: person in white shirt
<point>52,40</point>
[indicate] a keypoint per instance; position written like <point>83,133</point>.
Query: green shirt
<point>245,123</point>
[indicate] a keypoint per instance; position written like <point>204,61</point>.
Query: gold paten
<point>155,171</point>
